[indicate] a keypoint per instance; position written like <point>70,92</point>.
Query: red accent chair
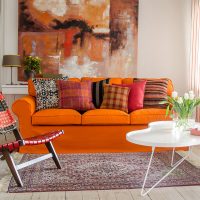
<point>8,126</point>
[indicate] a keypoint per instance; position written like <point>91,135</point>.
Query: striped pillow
<point>115,97</point>
<point>98,92</point>
<point>75,95</point>
<point>155,92</point>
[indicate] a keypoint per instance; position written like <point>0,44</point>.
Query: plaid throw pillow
<point>75,95</point>
<point>98,91</point>
<point>46,93</point>
<point>155,92</point>
<point>115,97</point>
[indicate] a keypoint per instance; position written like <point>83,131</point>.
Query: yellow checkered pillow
<point>115,97</point>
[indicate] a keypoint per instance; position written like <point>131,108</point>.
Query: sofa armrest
<point>24,108</point>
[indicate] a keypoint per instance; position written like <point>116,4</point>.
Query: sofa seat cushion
<point>105,117</point>
<point>145,116</point>
<point>56,117</point>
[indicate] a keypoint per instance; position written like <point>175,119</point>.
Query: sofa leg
<point>12,166</point>
<point>51,149</point>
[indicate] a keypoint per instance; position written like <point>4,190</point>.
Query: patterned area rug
<point>103,171</point>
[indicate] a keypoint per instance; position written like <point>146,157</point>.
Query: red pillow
<point>75,95</point>
<point>136,95</point>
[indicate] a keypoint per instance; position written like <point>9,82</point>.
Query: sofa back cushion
<point>115,97</point>
<point>96,79</point>
<point>170,88</point>
<point>75,95</point>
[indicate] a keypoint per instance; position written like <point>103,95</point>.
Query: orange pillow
<point>115,97</point>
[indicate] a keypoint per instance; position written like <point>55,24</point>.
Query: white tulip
<point>191,92</point>
<point>174,94</point>
<point>186,96</point>
<point>180,100</point>
<point>191,96</point>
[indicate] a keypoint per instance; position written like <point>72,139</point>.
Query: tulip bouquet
<point>182,109</point>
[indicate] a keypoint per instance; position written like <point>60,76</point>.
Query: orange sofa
<point>99,130</point>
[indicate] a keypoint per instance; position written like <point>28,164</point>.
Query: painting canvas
<point>80,37</point>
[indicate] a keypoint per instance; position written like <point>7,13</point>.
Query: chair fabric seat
<point>11,146</point>
<point>105,117</point>
<point>145,116</point>
<point>56,117</point>
<point>42,139</point>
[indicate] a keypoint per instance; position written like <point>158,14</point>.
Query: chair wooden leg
<point>51,149</point>
<point>12,166</point>
<point>2,157</point>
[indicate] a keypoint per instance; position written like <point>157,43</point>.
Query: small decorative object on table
<point>182,109</point>
<point>31,66</point>
<point>195,131</point>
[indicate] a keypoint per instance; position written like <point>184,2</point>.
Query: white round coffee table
<point>162,134</point>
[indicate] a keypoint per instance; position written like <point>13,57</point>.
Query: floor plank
<point>40,196</point>
<point>122,195</point>
<point>23,196</point>
<point>74,195</point>
<point>90,195</point>
<point>165,194</point>
<point>106,195</point>
<point>7,196</point>
<point>135,193</point>
<point>56,196</point>
<point>189,193</point>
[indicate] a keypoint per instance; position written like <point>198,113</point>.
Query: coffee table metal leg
<point>143,193</point>
<point>172,161</point>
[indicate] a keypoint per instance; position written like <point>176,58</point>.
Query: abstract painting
<point>80,37</point>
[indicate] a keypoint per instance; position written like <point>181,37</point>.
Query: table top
<point>15,86</point>
<point>162,134</point>
<point>15,89</point>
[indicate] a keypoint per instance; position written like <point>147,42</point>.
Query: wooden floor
<point>177,193</point>
<point>172,193</point>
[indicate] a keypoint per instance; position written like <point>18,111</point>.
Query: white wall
<point>163,45</point>
<point>163,49</point>
<point>9,36</point>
